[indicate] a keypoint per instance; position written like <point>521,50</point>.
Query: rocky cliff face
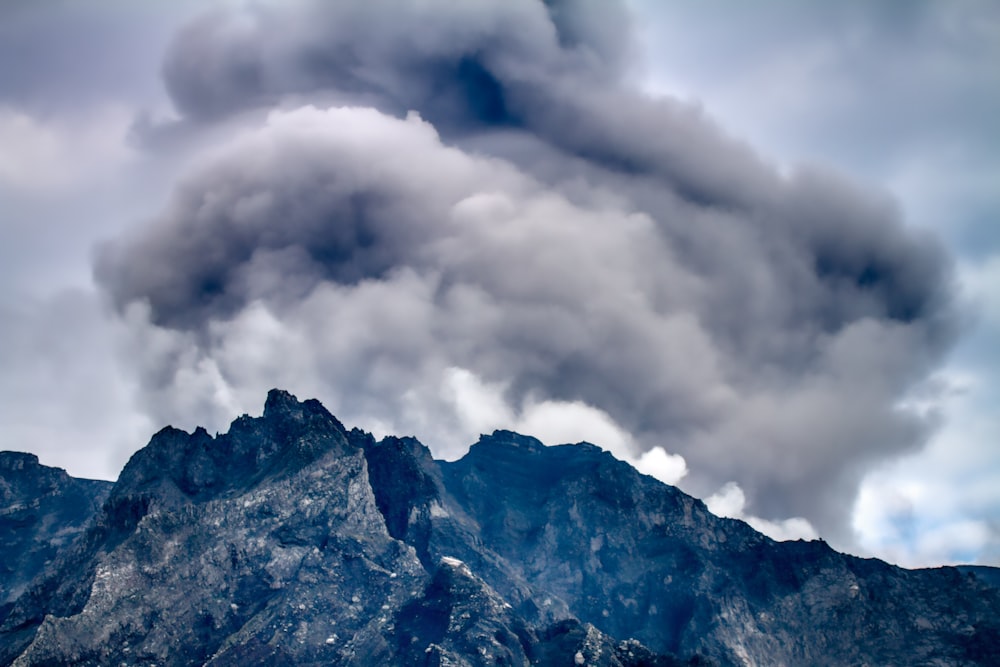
<point>290,540</point>
<point>42,512</point>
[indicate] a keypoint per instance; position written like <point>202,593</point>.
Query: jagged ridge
<point>290,540</point>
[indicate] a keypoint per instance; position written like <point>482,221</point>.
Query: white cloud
<point>980,282</point>
<point>557,422</point>
<point>939,506</point>
<point>730,501</point>
<point>668,468</point>
<point>481,407</point>
<point>40,155</point>
<point>795,528</point>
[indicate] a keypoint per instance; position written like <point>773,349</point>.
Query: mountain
<point>42,511</point>
<point>291,540</point>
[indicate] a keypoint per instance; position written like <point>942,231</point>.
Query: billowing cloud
<point>488,194</point>
<point>899,95</point>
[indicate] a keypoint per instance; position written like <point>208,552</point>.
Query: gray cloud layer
<point>539,224</point>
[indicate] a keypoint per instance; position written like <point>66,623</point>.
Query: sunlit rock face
<point>293,540</point>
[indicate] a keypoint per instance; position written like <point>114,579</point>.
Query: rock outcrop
<point>42,512</point>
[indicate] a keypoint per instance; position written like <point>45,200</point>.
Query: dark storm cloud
<point>552,69</point>
<point>620,251</point>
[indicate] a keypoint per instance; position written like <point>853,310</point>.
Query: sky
<point>751,249</point>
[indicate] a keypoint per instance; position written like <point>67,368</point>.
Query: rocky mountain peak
<point>282,406</point>
<point>279,400</point>
<point>289,435</point>
<point>508,446</point>
<point>290,540</point>
<point>501,439</point>
<point>17,461</point>
<point>24,479</point>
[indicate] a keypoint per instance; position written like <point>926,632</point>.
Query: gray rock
<point>42,512</point>
<point>290,540</point>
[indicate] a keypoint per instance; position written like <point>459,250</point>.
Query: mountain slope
<point>290,540</point>
<point>42,510</point>
<point>641,559</point>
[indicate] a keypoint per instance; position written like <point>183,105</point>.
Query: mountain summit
<point>292,540</point>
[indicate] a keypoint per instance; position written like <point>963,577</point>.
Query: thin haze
<point>441,218</point>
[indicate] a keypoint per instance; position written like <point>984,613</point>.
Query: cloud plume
<point>487,193</point>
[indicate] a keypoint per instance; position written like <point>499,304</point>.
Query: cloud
<point>58,57</point>
<point>481,408</point>
<point>939,506</point>
<point>48,157</point>
<point>730,501</point>
<point>489,194</point>
<point>56,384</point>
<point>658,463</point>
<point>979,281</point>
<point>898,95</point>
<point>854,78</point>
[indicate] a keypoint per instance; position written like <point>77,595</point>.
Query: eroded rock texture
<point>291,540</point>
